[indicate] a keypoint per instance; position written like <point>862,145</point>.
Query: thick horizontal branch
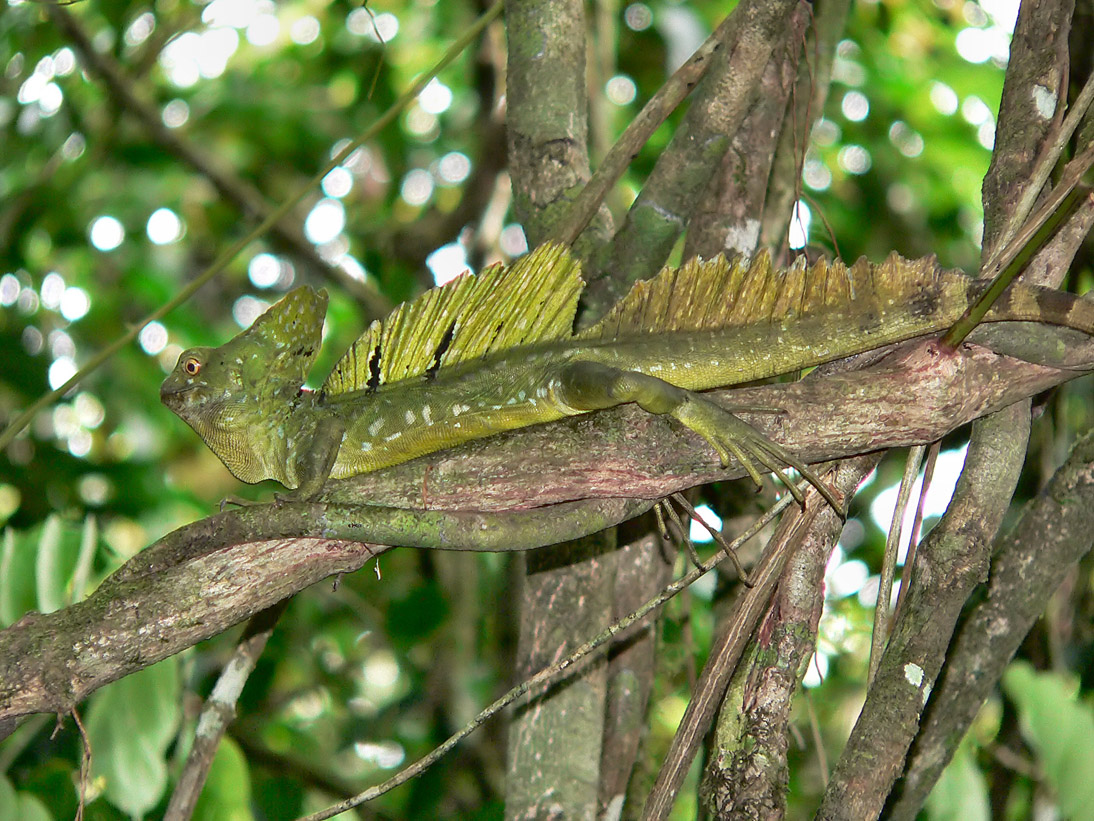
<point>203,578</point>
<point>526,488</point>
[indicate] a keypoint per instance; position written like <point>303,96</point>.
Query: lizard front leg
<point>588,386</point>
<point>314,457</point>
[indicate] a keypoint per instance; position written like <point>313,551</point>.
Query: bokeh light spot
<point>152,338</point>
<point>447,262</point>
<point>164,226</point>
<point>621,89</point>
<point>106,233</point>
<point>638,16</point>
<point>417,187</point>
<point>453,168</point>
<point>75,303</point>
<point>325,221</point>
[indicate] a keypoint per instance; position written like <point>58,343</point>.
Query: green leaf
<point>49,574</point>
<point>89,538</point>
<point>227,792</point>
<point>9,612</point>
<point>9,799</point>
<point>17,592</point>
<point>961,793</point>
<point>24,806</point>
<point>130,724</point>
<point>9,501</point>
<point>1060,730</point>
<point>31,808</point>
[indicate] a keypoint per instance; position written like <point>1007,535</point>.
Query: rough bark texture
<point>668,199</point>
<point>747,775</point>
<point>642,567</point>
<point>991,632</point>
<point>555,736</point>
<point>546,117</point>
<point>727,216</point>
<point>949,563</point>
<point>1038,64</point>
<point>729,645</point>
<point>1029,565</point>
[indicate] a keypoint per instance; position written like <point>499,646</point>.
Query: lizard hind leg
<point>588,386</point>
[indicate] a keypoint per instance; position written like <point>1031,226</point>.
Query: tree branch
<point>948,564</point>
<point>806,105</point>
<point>669,197</point>
<point>1028,566</point>
<point>726,218</point>
<point>747,774</point>
<point>728,647</point>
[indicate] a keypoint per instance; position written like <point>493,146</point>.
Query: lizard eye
<point>192,365</point>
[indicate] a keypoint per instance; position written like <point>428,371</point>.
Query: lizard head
<point>231,395</point>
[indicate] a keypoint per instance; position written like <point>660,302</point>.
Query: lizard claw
<point>732,437</point>
<point>235,501</point>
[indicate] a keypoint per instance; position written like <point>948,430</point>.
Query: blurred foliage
<point>375,672</point>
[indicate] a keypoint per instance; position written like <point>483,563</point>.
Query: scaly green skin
<point>246,400</point>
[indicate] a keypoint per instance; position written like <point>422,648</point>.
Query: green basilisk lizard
<point>494,352</point>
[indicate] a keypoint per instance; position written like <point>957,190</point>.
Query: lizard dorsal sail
<point>709,294</point>
<point>532,300</point>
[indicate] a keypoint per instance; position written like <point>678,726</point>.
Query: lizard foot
<point>733,438</point>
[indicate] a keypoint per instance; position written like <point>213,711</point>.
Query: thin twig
<point>684,531</point>
<point>220,710</point>
<point>1023,228</point>
<point>548,674</point>
<point>646,122</point>
<point>222,261</point>
<point>888,565</point>
<point>917,523</point>
<point>85,763</point>
<point>715,534</point>
<point>815,732</point>
<point>662,525</point>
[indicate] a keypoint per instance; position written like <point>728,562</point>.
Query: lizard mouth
<point>174,397</point>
